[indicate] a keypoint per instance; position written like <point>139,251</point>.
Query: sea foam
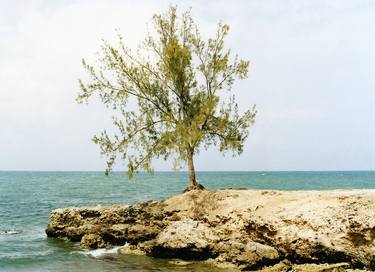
<point>101,252</point>
<point>11,232</point>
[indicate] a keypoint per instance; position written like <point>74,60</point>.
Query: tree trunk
<point>192,178</point>
<point>193,184</point>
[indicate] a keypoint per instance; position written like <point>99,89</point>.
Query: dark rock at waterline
<point>246,229</point>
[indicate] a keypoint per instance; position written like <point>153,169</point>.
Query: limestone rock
<point>185,239</point>
<point>339,267</point>
<point>248,229</point>
<point>92,241</point>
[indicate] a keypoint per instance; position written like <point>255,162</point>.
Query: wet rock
<point>92,241</point>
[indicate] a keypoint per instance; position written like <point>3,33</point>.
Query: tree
<point>176,79</point>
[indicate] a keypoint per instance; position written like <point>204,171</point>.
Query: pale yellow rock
<point>131,250</point>
<point>249,229</point>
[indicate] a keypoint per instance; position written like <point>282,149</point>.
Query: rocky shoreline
<point>242,229</point>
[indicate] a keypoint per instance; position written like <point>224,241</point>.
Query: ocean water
<point>26,199</point>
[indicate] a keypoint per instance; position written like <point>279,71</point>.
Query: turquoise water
<point>26,199</point>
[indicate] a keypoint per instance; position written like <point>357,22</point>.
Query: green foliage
<point>176,78</point>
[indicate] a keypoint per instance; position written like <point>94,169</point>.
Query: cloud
<point>312,67</point>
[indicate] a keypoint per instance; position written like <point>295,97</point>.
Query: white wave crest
<point>100,252</point>
<point>11,232</point>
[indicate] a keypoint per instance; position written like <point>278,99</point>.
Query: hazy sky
<point>312,77</point>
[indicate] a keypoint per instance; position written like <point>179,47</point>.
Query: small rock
<point>92,241</point>
<point>321,267</point>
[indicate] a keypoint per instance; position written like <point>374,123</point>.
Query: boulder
<point>92,241</point>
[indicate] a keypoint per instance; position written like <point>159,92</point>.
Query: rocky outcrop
<point>246,229</point>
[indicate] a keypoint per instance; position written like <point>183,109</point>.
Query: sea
<point>27,198</point>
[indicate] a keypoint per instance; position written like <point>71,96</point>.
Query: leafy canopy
<point>176,79</point>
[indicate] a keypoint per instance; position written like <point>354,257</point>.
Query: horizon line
<point>185,171</point>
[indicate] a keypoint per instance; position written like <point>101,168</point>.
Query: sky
<point>312,77</point>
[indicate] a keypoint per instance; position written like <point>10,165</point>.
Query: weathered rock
<point>186,239</point>
<point>120,234</point>
<point>92,241</point>
<point>321,267</point>
<point>248,229</point>
<point>283,266</point>
<point>246,254</point>
<point>287,266</point>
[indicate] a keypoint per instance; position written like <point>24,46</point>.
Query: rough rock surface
<point>246,229</point>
